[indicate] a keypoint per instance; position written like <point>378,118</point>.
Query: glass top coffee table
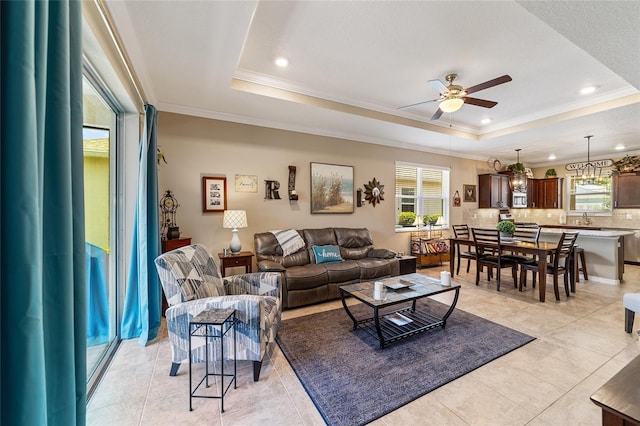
<point>393,325</point>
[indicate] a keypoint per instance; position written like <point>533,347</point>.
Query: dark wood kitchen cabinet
<point>626,191</point>
<point>544,193</point>
<point>493,191</point>
<point>550,193</point>
<point>533,193</point>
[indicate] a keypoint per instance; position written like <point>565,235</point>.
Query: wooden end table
<point>244,258</point>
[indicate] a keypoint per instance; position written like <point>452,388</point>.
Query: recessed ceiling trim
<point>241,119</point>
<point>580,112</point>
<point>277,93</point>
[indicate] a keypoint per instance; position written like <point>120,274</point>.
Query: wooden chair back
<point>565,247</point>
<point>461,231</point>
<point>529,235</point>
<point>486,239</point>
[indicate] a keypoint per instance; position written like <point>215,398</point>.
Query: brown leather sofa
<point>306,282</point>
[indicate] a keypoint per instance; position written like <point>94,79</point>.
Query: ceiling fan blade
<point>496,81</point>
<point>437,114</point>
<point>479,102</point>
<point>419,103</point>
<point>438,85</point>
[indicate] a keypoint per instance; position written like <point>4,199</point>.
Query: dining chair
<point>527,235</point>
<point>489,254</point>
<point>559,264</point>
<point>462,231</point>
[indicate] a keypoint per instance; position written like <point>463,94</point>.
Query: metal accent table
<point>385,329</point>
<point>213,324</point>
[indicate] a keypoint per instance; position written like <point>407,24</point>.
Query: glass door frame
<point>116,220</point>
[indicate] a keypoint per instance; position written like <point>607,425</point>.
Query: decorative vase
<point>235,246</point>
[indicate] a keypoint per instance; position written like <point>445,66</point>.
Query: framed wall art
<point>214,194</point>
<point>331,188</point>
<point>246,183</point>
<point>456,199</point>
<point>469,193</point>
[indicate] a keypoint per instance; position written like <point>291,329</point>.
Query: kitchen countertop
<point>586,231</point>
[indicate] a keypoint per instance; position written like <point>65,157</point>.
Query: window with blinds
<point>421,192</point>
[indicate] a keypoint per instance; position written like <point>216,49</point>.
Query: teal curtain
<point>42,248</point>
<point>141,316</point>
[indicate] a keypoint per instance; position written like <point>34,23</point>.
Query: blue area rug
<point>353,382</point>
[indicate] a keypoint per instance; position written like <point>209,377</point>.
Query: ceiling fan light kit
<point>453,96</point>
<point>451,104</point>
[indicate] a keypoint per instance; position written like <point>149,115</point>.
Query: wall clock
<point>373,192</point>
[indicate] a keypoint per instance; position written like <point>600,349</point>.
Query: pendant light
<point>588,171</point>
<point>518,180</point>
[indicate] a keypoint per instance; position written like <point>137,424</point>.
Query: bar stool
<point>580,266</point>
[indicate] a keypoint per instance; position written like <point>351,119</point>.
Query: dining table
<point>541,250</point>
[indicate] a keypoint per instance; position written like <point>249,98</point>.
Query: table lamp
<point>235,219</point>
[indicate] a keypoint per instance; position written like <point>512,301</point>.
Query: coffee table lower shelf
<point>384,329</point>
<point>388,332</point>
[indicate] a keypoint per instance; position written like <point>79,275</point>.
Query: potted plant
<point>406,218</point>
<point>430,219</point>
<point>550,173</point>
<point>506,228</point>
<point>516,167</point>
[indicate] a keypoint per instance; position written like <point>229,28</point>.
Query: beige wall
<point>195,147</point>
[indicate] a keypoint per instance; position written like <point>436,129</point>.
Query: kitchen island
<point>603,249</point>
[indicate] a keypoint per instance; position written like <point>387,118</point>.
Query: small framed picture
<point>456,199</point>
<point>214,194</point>
<point>469,193</point>
<point>246,183</point>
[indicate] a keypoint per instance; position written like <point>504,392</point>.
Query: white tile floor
<point>580,345</point>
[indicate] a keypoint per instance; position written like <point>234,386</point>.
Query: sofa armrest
<point>381,253</point>
<point>270,266</point>
<point>259,283</point>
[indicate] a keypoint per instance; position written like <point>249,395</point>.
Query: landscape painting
<point>331,188</point>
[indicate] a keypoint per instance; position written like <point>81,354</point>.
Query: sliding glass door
<point>100,192</point>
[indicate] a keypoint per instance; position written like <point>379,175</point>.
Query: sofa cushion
<point>327,254</point>
<point>305,277</point>
<point>318,237</point>
<point>268,248</point>
<point>354,243</point>
<point>371,268</point>
<point>342,272</point>
<point>382,253</point>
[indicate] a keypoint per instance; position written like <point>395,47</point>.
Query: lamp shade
<point>235,219</point>
<point>441,221</point>
<point>451,104</point>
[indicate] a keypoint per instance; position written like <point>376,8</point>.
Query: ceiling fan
<point>453,96</point>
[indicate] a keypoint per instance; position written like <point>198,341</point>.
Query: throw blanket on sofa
<point>289,240</point>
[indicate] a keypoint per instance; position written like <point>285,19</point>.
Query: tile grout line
<point>146,398</point>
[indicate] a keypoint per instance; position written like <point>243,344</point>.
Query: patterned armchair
<point>191,283</point>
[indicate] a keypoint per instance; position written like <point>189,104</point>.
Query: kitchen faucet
<point>587,221</point>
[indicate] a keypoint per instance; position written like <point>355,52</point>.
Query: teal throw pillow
<point>326,254</point>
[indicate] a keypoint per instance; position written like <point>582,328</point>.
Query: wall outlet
<point>629,216</point>
<point>548,214</point>
<point>475,215</point>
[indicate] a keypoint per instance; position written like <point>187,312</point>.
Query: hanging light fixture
<point>518,180</point>
<point>588,171</point>
<point>451,104</point>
